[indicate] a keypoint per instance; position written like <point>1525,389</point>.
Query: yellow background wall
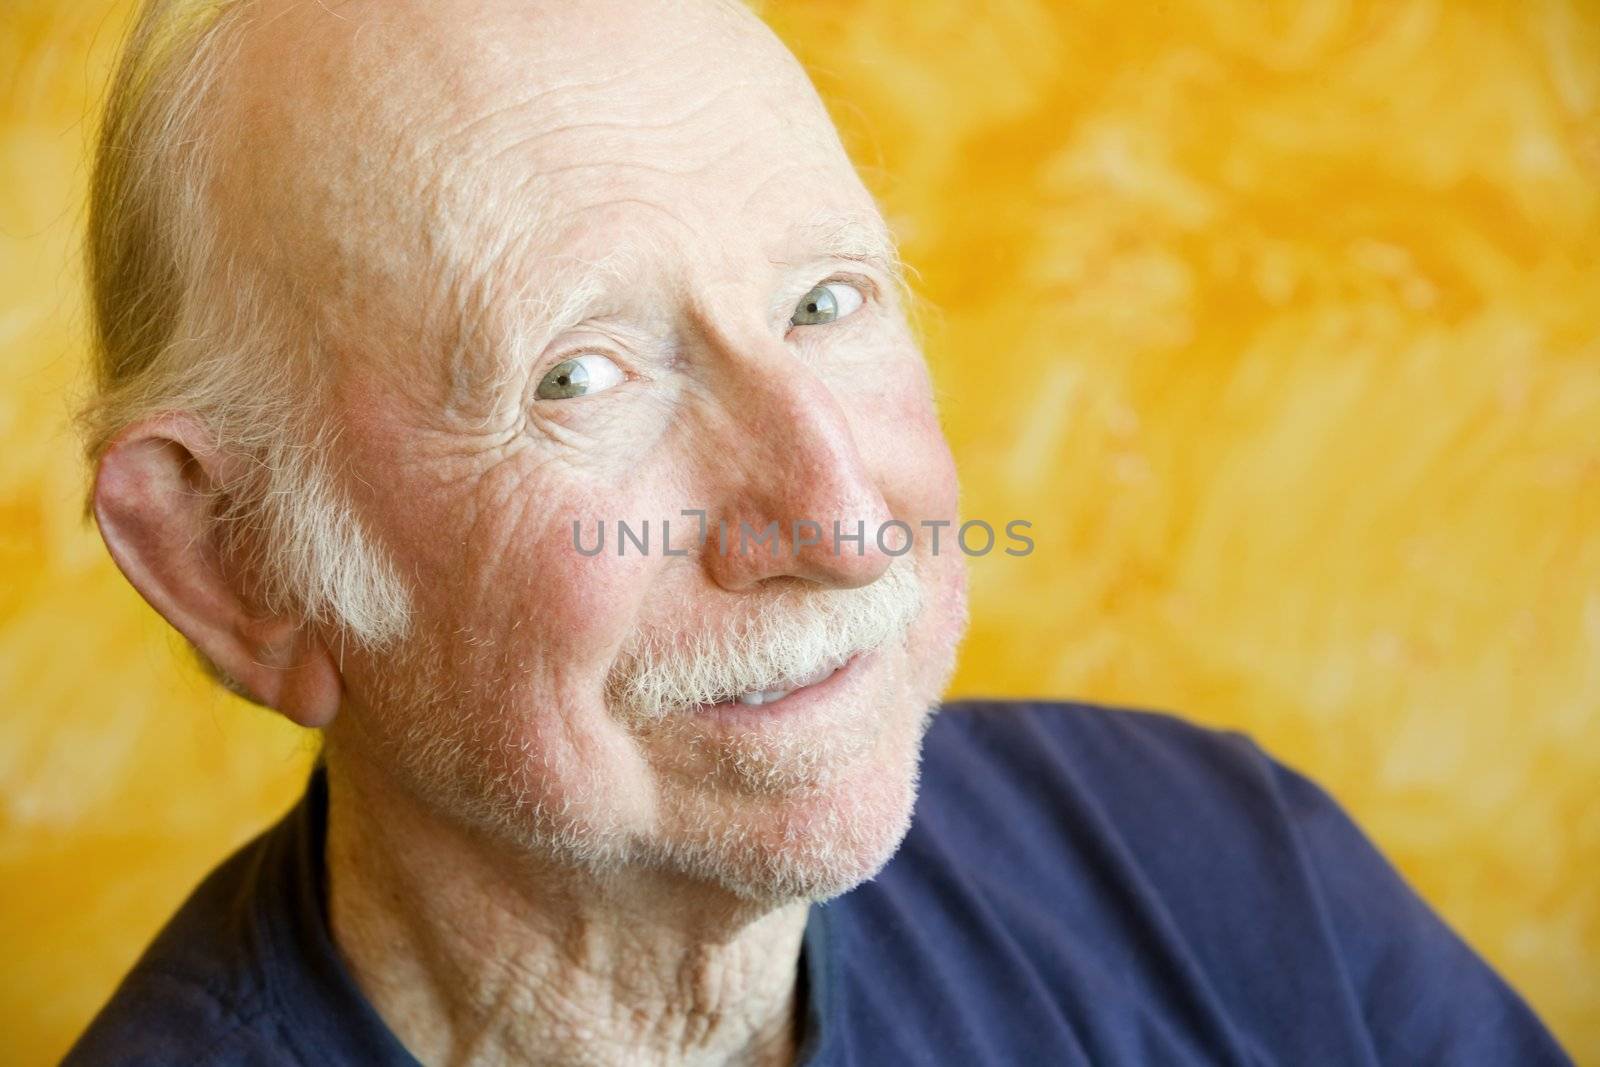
<point>1280,323</point>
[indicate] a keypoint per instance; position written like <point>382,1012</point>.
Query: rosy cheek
<point>582,603</point>
<point>915,466</point>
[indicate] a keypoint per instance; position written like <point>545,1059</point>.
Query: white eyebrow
<point>860,237</point>
<point>564,298</point>
<point>500,338</point>
<point>509,333</point>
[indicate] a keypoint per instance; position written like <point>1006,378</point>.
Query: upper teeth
<point>767,696</point>
<point>762,696</point>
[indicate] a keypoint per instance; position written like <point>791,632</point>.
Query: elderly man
<point>403,305</point>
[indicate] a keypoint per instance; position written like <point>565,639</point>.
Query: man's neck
<point>475,958</point>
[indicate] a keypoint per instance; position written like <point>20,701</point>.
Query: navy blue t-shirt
<point>1080,886</point>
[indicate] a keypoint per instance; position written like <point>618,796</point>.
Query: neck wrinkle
<point>471,956</point>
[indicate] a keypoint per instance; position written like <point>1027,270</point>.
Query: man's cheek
<point>573,601</point>
<point>561,614</point>
<point>914,463</point>
<point>905,446</point>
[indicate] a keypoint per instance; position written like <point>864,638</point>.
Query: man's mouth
<point>759,697</point>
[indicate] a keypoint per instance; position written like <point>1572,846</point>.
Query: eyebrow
<point>504,331</point>
<point>861,237</point>
<point>487,356</point>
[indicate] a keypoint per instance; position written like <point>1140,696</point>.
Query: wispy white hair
<point>796,632</point>
<point>183,324</point>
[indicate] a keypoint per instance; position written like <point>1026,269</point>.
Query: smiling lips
<point>757,697</point>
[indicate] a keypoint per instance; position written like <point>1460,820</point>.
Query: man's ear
<point>156,502</point>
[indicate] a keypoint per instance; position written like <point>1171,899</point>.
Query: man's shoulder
<point>1117,815</point>
<point>197,994</point>
<point>1111,755</point>
<point>1085,722</point>
<point>1209,881</point>
<point>160,1017</point>
<point>1158,802</point>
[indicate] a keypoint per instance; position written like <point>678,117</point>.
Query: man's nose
<point>796,498</point>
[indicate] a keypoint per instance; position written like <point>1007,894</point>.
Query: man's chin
<point>806,848</point>
<point>800,807</point>
<point>811,842</point>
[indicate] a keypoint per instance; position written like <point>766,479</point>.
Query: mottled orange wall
<point>1280,323</point>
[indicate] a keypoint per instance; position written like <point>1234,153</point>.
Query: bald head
<point>292,194</point>
<point>445,185</point>
<point>454,278</point>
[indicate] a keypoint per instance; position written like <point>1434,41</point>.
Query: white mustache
<point>796,635</point>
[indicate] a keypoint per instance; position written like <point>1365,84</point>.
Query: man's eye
<point>828,302</point>
<point>579,376</point>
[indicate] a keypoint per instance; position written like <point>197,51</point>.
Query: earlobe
<point>295,674</point>
<point>156,496</point>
